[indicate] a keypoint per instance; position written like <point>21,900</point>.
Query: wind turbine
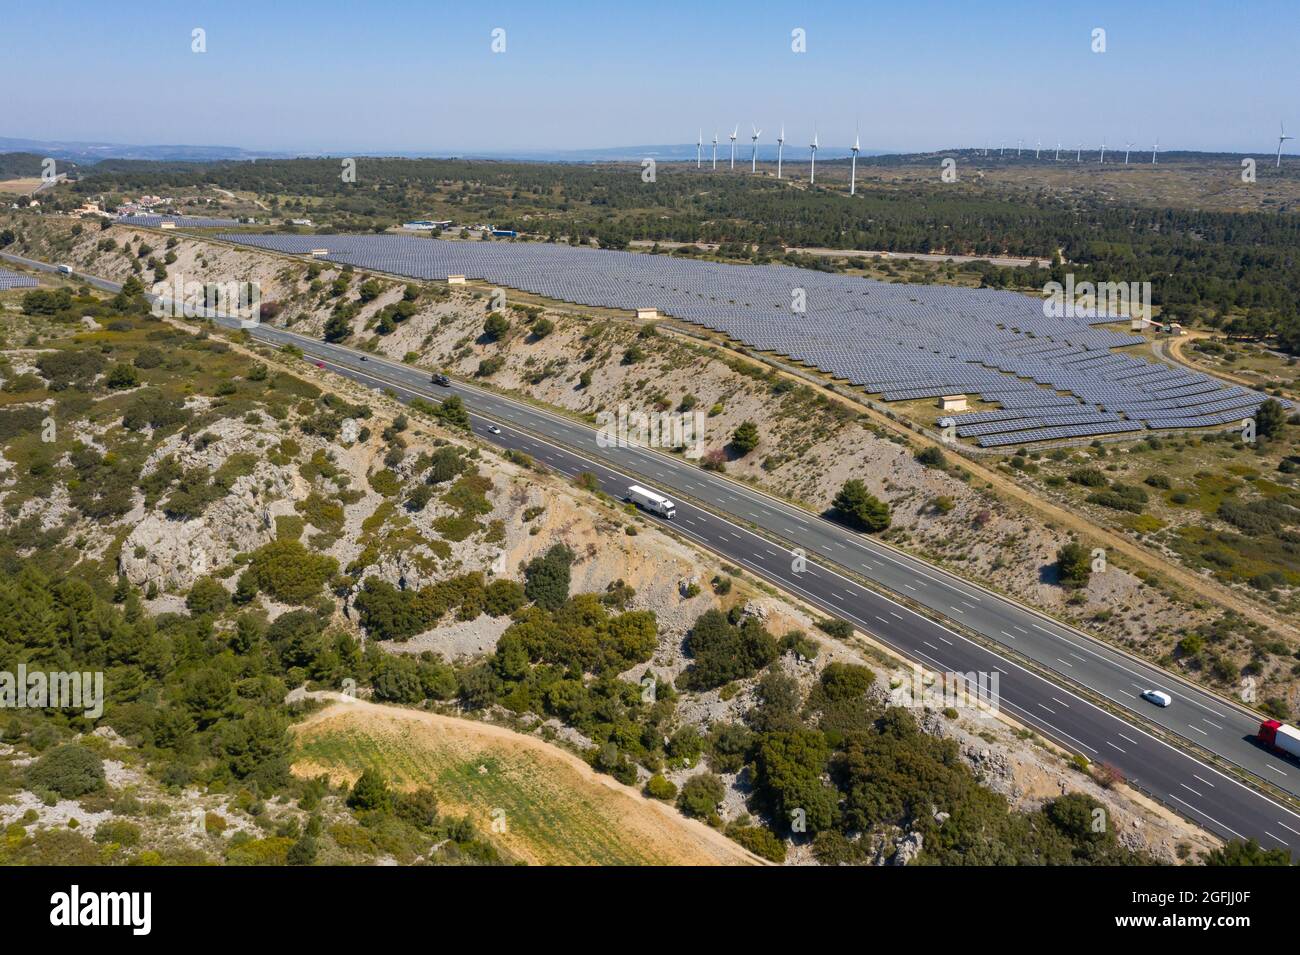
<point>1127,149</point>
<point>780,147</point>
<point>812,168</point>
<point>753,156</point>
<point>715,149</point>
<point>1102,160</point>
<point>1078,155</point>
<point>699,148</point>
<point>853,169</point>
<point>1002,148</point>
<point>1038,148</point>
<point>733,145</point>
<point>1155,149</point>
<point>1280,140</point>
<point>1018,144</point>
<point>1058,150</point>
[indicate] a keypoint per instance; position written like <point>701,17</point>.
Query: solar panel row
<point>903,342</point>
<point>9,279</point>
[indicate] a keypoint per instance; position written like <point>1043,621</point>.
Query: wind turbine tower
<point>780,147</point>
<point>753,156</point>
<point>1102,160</point>
<point>1038,148</point>
<point>1127,149</point>
<point>1155,149</point>
<point>715,149</point>
<point>1019,142</point>
<point>812,167</point>
<point>733,145</point>
<point>1078,155</point>
<point>1280,140</point>
<point>699,148</point>
<point>853,169</point>
<point>1058,150</point>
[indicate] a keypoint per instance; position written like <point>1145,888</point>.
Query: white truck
<point>65,269</point>
<point>652,502</point>
<point>1280,737</point>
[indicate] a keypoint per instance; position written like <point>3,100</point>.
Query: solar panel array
<point>10,280</point>
<point>1055,377</point>
<point>189,222</point>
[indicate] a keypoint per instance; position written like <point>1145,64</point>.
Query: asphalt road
<point>719,514</point>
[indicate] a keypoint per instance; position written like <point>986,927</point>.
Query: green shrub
<point>370,792</point>
<point>289,572</point>
<point>546,578</point>
<point>657,787</point>
<point>119,831</point>
<point>700,797</point>
<point>759,840</point>
<point>71,770</point>
<point>859,508</point>
<point>207,596</point>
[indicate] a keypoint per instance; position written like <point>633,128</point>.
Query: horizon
<point>570,80</point>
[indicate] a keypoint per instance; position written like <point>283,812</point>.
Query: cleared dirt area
<point>556,810</point>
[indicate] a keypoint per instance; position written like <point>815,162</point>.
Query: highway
<point>760,533</point>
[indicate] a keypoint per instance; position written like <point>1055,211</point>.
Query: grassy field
<point>557,811</point>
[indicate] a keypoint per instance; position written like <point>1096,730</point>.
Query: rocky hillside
<point>218,535</point>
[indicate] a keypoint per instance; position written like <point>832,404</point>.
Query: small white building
<point>647,314</point>
<point>319,253</point>
<point>953,403</point>
<point>455,280</point>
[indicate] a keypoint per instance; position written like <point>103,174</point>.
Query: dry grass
<point>557,810</point>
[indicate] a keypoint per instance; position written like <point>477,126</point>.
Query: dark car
<point>442,380</point>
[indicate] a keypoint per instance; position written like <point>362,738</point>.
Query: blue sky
<point>375,75</point>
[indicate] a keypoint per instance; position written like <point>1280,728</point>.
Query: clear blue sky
<point>375,75</point>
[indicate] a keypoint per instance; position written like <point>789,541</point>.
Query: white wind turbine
<point>1127,149</point>
<point>1002,148</point>
<point>780,148</point>
<point>1102,160</point>
<point>1058,150</point>
<point>1019,142</point>
<point>1078,155</point>
<point>753,156</point>
<point>853,169</point>
<point>733,145</point>
<point>1038,148</point>
<point>1280,140</point>
<point>1155,149</point>
<point>715,149</point>
<point>812,168</point>
<point>699,148</point>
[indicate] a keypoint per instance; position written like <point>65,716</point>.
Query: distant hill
<point>91,152</point>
